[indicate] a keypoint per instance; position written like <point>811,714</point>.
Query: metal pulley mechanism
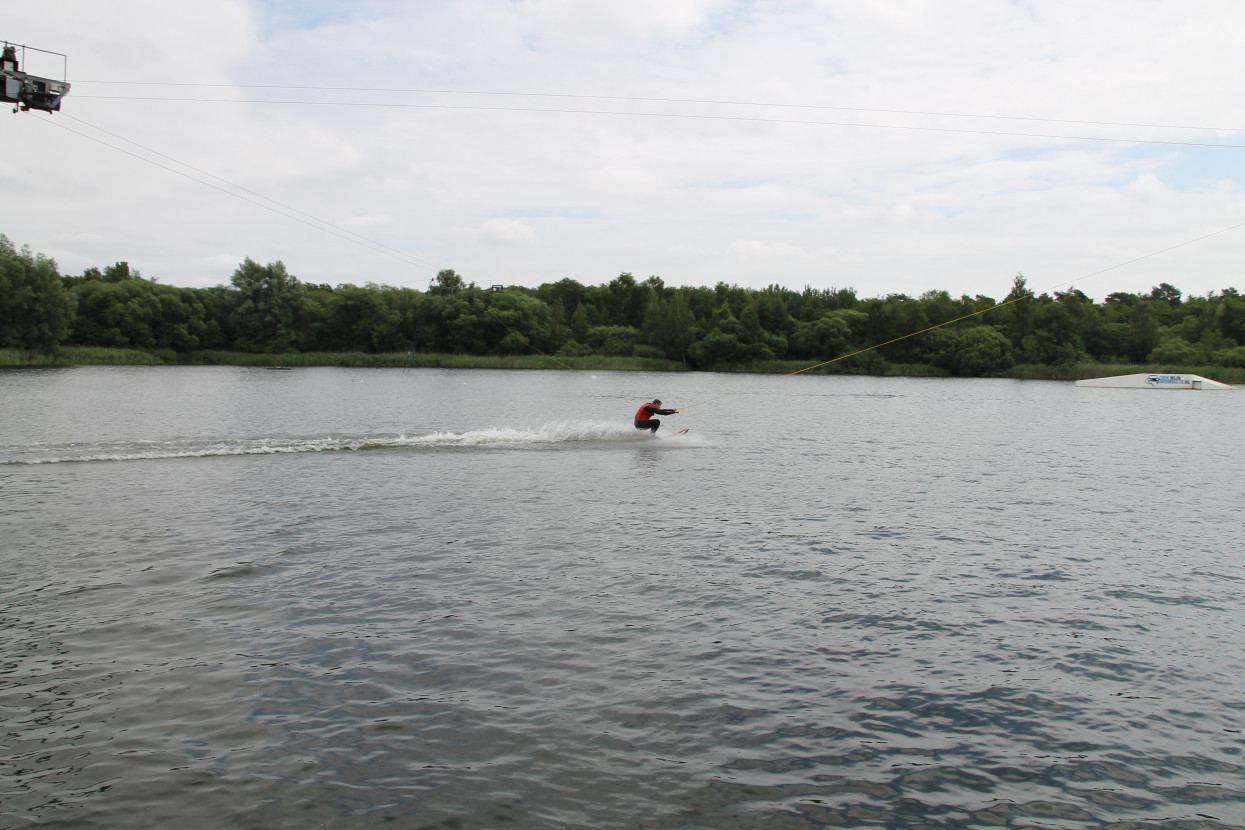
<point>25,91</point>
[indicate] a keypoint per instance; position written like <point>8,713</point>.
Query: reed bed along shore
<point>86,356</point>
<point>93,356</point>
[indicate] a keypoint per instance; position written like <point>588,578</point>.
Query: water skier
<point>644,417</point>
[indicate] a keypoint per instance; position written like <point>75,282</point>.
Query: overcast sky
<point>891,146</point>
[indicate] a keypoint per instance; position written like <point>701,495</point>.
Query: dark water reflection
<point>473,599</point>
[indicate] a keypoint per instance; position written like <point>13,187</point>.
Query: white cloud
<point>1148,188</point>
<point>890,214</point>
<point>223,263</point>
<point>694,192</point>
<point>503,232</point>
<point>370,222</point>
<point>767,250</point>
<point>580,24</point>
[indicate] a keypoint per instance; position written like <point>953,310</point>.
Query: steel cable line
<point>281,209</point>
<point>520,337</point>
<point>323,226</point>
<point>711,102</point>
<point>995,307</point>
<point>358,239</point>
<point>689,116</point>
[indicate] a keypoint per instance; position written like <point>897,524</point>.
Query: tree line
<point>265,309</point>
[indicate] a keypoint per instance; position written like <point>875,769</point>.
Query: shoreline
<point>93,356</point>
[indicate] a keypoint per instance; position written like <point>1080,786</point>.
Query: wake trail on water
<point>552,434</point>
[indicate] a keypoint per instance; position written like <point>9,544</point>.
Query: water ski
<point>673,434</point>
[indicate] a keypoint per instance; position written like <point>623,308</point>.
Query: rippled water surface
<point>477,599</point>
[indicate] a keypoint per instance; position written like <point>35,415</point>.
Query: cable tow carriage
<point>23,90</point>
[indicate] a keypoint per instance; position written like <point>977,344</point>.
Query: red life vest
<point>645,413</point>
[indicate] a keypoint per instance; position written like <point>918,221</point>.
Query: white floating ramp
<point>1154,381</point>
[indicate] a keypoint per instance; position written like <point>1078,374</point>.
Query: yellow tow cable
<point>859,351</point>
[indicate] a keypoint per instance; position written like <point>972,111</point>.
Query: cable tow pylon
<point>30,92</point>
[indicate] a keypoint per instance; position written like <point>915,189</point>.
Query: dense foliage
<point>264,309</point>
<point>35,309</point>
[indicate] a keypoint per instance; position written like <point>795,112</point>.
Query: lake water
<point>351,598</point>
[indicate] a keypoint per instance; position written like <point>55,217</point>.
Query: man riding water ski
<point>644,417</point>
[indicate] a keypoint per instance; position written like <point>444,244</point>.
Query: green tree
<point>1174,352</point>
<point>561,326</point>
<point>137,313</point>
<point>627,299</point>
<point>825,338</point>
<point>217,303</point>
<point>982,350</point>
<point>772,312</point>
<point>311,334</point>
<point>270,299</point>
<point>761,343</point>
<point>566,293</point>
<point>36,311</point>
<point>1116,343</point>
<point>669,324</point>
<point>447,282</point>
<point>1232,315</point>
<point>580,323</point>
<point>1052,335</point>
<point>515,322</point>
<point>613,341</point>
<point>182,319</point>
<point>896,316</point>
<point>449,325</point>
<point>117,315</point>
<point>1145,330</point>
<point>1166,293</point>
<point>367,319</point>
<point>1230,357</point>
<point>1016,318</point>
<point>717,348</point>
